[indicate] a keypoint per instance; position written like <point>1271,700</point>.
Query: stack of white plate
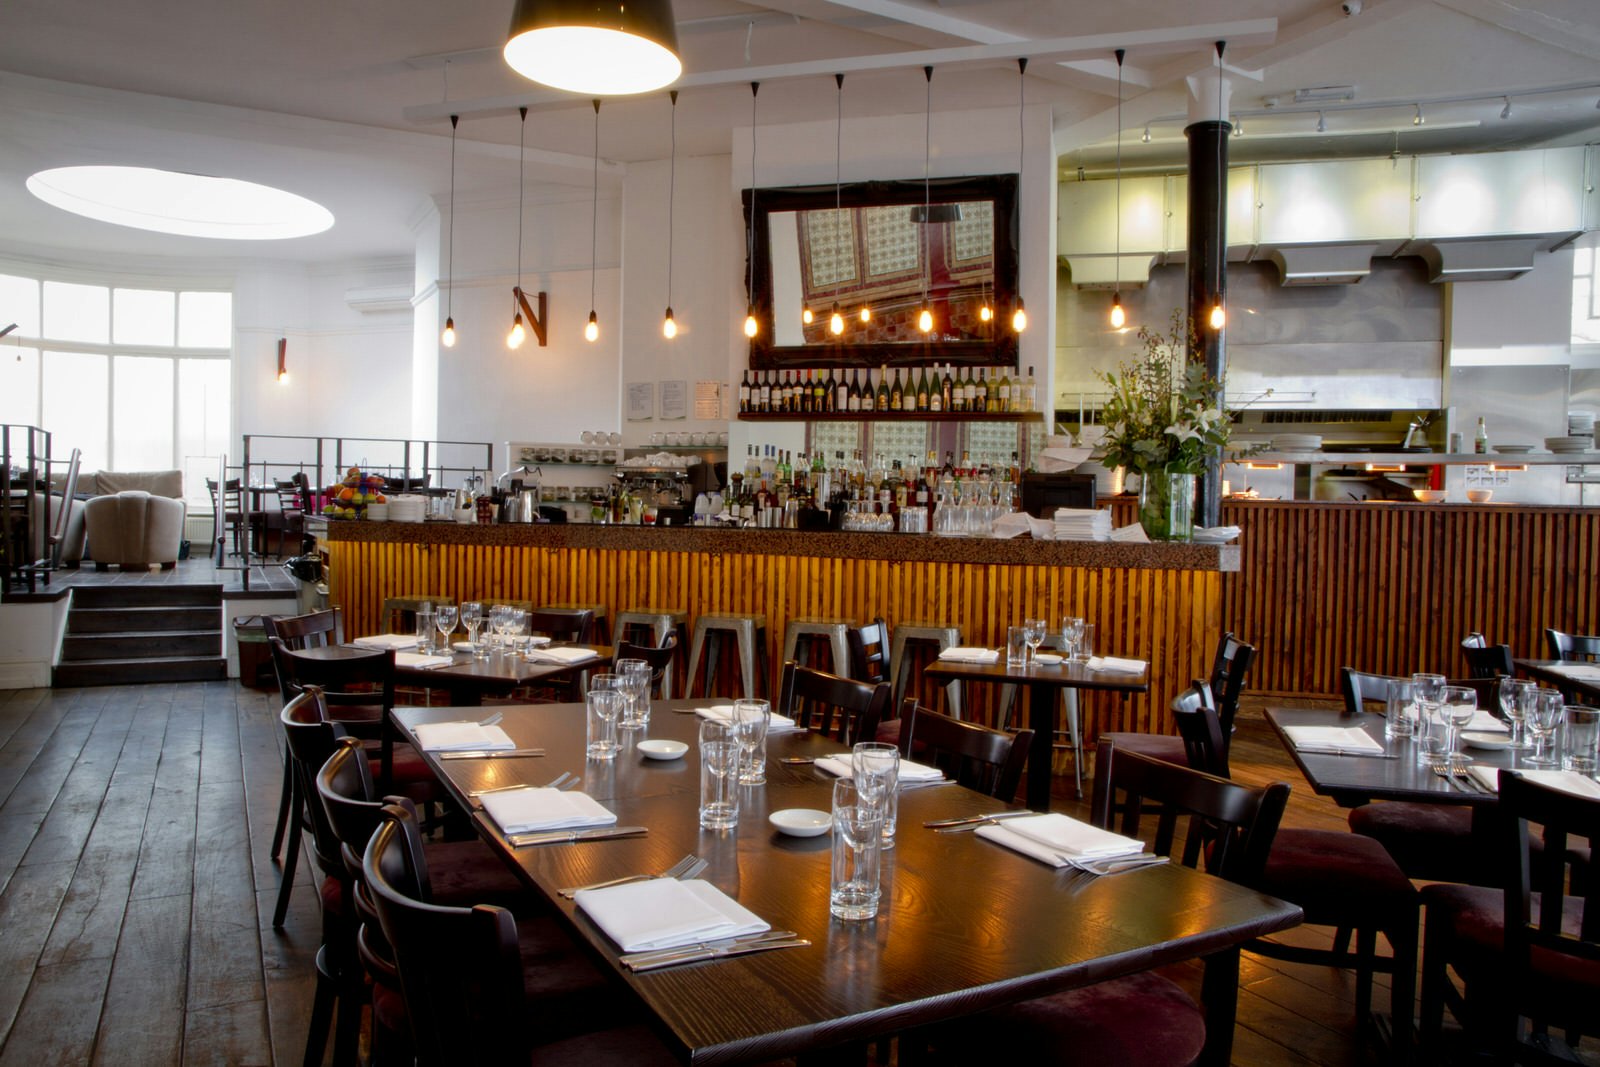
<point>1580,423</point>
<point>1297,442</point>
<point>407,508</point>
<point>1082,524</point>
<point>1569,444</point>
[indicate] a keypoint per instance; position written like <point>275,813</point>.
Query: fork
<point>565,780</point>
<point>687,867</point>
<point>1442,768</point>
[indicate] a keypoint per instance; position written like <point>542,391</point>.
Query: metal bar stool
<point>711,632</point>
<point>658,623</point>
<point>800,635</point>
<point>917,635</point>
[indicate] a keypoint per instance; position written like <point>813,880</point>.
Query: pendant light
<point>1219,314</point>
<point>607,47</point>
<point>1119,318</point>
<point>448,338</point>
<point>925,316</point>
<point>836,320</point>
<point>515,338</point>
<point>1019,317</point>
<point>591,331</point>
<point>751,327</point>
<point>669,327</point>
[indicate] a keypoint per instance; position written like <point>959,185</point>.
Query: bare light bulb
<point>1019,318</point>
<point>1219,317</point>
<point>836,322</point>
<point>807,316</point>
<point>1119,318</point>
<point>669,326</point>
<point>515,338</point>
<point>751,327</point>
<point>591,330</point>
<point>925,321</point>
<point>448,338</point>
<point>283,375</point>
<point>985,312</point>
<point>866,313</point>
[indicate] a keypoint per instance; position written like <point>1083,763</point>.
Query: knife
<point>561,837</point>
<point>492,753</point>
<point>718,953</point>
<point>935,824</point>
<point>651,955</point>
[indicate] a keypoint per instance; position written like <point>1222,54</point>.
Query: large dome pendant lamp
<point>595,47</point>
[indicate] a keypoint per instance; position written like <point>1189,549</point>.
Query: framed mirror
<point>887,249</point>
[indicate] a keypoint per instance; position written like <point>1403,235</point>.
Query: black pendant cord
<point>750,235</point>
<point>450,269</point>
<point>927,198</point>
<point>672,195</point>
<point>522,135</point>
<point>838,173</point>
<point>594,212</point>
<point>1116,264</point>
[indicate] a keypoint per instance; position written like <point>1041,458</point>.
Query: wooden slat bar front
<point>1156,602</point>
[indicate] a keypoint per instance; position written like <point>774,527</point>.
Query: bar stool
<point>601,633</point>
<point>658,623</point>
<point>813,630</point>
<point>912,636</point>
<point>750,631</point>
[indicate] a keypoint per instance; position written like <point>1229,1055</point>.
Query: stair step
<point>133,596</point>
<point>131,671</point>
<point>159,644</point>
<point>142,619</point>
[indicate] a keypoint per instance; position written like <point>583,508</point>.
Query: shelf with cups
<point>891,416</point>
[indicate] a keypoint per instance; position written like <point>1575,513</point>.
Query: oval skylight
<point>193,205</point>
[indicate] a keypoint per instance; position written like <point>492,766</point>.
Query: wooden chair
<point>1528,951</point>
<point>1229,666</point>
<point>1361,690</point>
<point>812,698</point>
<point>229,504</point>
<point>1573,648</point>
<point>563,624</point>
<point>1485,660</point>
<point>399,613</point>
<point>989,761</point>
<point>1143,1018</point>
<point>869,651</point>
<point>289,520</point>
<point>659,658</point>
<point>468,984</point>
<point>319,628</point>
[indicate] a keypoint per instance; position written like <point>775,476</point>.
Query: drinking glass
<point>635,687</point>
<point>1016,646</point>
<point>1399,712</point>
<point>1085,644</point>
<point>719,770</point>
<point>1514,695</point>
<point>751,718</point>
<point>1432,740</point>
<point>425,628</point>
<point>444,617</point>
<point>1427,689</point>
<point>1071,634</point>
<point>1542,722</point>
<point>1036,630</point>
<point>875,768</point>
<point>516,629</point>
<point>1580,751</point>
<point>602,708</point>
<point>472,619</point>
<point>497,625</point>
<point>1460,704</point>
<point>853,889</point>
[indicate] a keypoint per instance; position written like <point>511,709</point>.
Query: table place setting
<point>1574,782</point>
<point>1587,672</point>
<point>463,737</point>
<point>659,922</point>
<point>965,654</point>
<point>394,641</point>
<point>1063,841</point>
<point>776,724</point>
<point>534,809</point>
<point>421,661</point>
<point>841,766</point>
<point>1335,741</point>
<point>1116,665</point>
<point>562,656</point>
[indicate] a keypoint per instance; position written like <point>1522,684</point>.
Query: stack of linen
<point>1082,524</point>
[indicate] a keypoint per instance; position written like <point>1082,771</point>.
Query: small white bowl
<point>800,822</point>
<point>662,749</point>
<point>1480,496</point>
<point>1048,659</point>
<point>1487,740</point>
<point>1430,496</point>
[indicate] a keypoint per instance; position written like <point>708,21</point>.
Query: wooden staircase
<point>127,634</point>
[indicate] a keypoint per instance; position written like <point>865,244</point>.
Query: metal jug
<point>527,503</point>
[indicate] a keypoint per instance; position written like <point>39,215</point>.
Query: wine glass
<point>1512,705</point>
<point>1035,630</point>
<point>1071,636</point>
<point>640,677</point>
<point>1460,705</point>
<point>1542,721</point>
<point>1427,689</point>
<point>750,721</point>
<point>497,626</point>
<point>625,672</point>
<point>516,629</point>
<point>444,617</point>
<point>875,768</point>
<point>472,618</point>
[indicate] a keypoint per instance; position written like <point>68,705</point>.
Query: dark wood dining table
<point>965,925</point>
<point>1549,672</point>
<point>467,680</point>
<point>1042,682</point>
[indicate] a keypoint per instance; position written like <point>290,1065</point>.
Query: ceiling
<point>346,101</point>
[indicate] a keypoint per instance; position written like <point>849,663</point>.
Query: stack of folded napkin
<point>395,641</point>
<point>1058,839</point>
<point>1082,524</point>
<point>462,737</point>
<point>665,913</point>
<point>419,661</point>
<point>909,772</point>
<point>1567,781</point>
<point>1331,740</point>
<point>1113,665</point>
<point>776,724</point>
<point>521,811</point>
<point>564,656</point>
<point>963,654</point>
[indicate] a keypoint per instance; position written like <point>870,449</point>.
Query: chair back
<point>348,794</point>
<point>1576,648</point>
<point>1360,689</point>
<point>312,738</point>
<point>1204,742</point>
<point>1230,825</point>
<point>989,761</point>
<point>312,630</point>
<point>460,968</point>
<point>358,676</point>
<point>869,651</point>
<point>399,613</point>
<point>1486,689</point>
<point>563,624</point>
<point>1228,670</point>
<point>659,658</point>
<point>1485,660</point>
<point>845,710</point>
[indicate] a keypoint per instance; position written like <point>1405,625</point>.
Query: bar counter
<point>1158,602</point>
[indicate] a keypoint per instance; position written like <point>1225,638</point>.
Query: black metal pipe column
<point>1208,276</point>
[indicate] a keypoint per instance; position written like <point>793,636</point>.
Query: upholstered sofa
<point>134,528</point>
<point>168,484</point>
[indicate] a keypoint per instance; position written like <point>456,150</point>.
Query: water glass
<point>472,619</point>
<point>1399,712</point>
<point>875,768</point>
<point>444,617</point>
<point>1085,650</point>
<point>750,719</point>
<point>1580,751</point>
<point>1459,704</point>
<point>1016,646</point>
<point>602,706</point>
<point>719,774</point>
<point>425,628</point>
<point>1515,696</point>
<point>1432,740</point>
<point>1036,629</point>
<point>853,888</point>
<point>1542,722</point>
<point>1071,634</point>
<point>635,678</point>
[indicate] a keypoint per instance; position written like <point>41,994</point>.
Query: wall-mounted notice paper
<point>641,401</point>
<point>674,400</point>
<point>708,400</point>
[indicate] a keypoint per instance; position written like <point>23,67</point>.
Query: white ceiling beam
<point>1176,38</point>
<point>1565,24</point>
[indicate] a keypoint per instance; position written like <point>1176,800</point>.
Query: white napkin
<point>1566,781</point>
<point>521,811</point>
<point>1132,532</point>
<point>1216,535</point>
<point>666,913</point>
<point>1586,671</point>
<point>776,724</point>
<point>1011,525</point>
<point>1331,739</point>
<point>1114,665</point>
<point>418,661</point>
<point>563,656</point>
<point>1484,722</point>
<point>909,771</point>
<point>963,654</point>
<point>395,641</point>
<point>462,736</point>
<point>1049,838</point>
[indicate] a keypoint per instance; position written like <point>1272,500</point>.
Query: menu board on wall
<point>641,401</point>
<point>674,400</point>
<point>708,400</point>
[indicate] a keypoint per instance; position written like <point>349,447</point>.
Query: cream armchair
<point>134,529</point>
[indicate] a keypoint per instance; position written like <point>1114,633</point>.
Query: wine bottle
<point>1030,393</point>
<point>935,392</point>
<point>1005,391</point>
<point>824,395</point>
<point>884,396</point>
<point>911,393</point>
<point>981,392</point>
<point>868,398</point>
<point>853,399</point>
<point>969,392</point>
<point>896,396</point>
<point>765,403</point>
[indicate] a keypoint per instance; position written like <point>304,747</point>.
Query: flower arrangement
<point>1164,413</point>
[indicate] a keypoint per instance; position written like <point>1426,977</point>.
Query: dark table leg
<point>1042,717</point>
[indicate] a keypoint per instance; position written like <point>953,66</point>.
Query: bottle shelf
<point>891,416</point>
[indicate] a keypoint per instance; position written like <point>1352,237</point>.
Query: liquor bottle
<point>896,396</point>
<point>1030,393</point>
<point>1005,392</point>
<point>884,397</point>
<point>854,398</point>
<point>869,401</point>
<point>1480,441</point>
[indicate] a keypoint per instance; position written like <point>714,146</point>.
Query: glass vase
<point>1166,506</point>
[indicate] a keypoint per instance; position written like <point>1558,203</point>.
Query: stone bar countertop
<point>921,548</point>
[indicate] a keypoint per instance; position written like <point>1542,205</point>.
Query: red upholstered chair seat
<point>1475,918</point>
<point>1336,877</point>
<point>1433,842</point>
<point>464,873</point>
<point>1143,1019</point>
<point>1167,747</point>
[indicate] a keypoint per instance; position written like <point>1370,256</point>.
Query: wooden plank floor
<point>136,893</point>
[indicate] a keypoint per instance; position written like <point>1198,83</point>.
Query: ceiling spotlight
<point>1417,119</point>
<point>1146,137</point>
<point>1238,126</point>
<point>1505,112</point>
<point>1322,123</point>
